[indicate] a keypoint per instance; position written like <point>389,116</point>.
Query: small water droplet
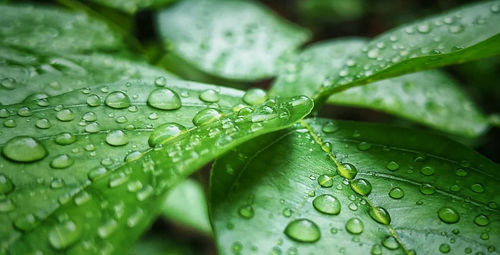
<point>254,96</point>
<point>327,204</point>
<point>390,243</point>
<point>263,113</point>
<point>427,189</point>
<point>164,99</point>
<point>448,215</point>
<point>354,226</point>
<point>477,187</point>
<point>481,220</point>
<point>25,222</point>
<point>246,211</point>
<point>24,149</point>
<point>206,116</point>
<point>361,186</point>
<point>303,230</point>
<point>6,184</point>
<point>444,248</point>
<point>380,215</point>
<point>396,193</point>
<point>65,115</point>
<point>93,100</point>
<point>24,112</point>
<point>461,172</point>
<point>6,205</point>
<point>160,81</point>
<point>347,170</point>
<point>65,139</point>
<point>117,100</point>
<point>165,133</point>
<point>364,146</point>
<point>427,170</point>
<point>9,123</point>
<point>61,161</point>
<point>325,181</point>
<point>117,138</point>
<point>64,234</point>
<point>209,96</point>
<point>43,124</point>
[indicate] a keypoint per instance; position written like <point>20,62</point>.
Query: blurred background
<point>326,19</point>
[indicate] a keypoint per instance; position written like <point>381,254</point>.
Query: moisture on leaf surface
<point>383,209</point>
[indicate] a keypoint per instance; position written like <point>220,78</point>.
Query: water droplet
<point>65,139</point>
<point>24,112</point>
<point>455,29</point>
<point>117,138</point>
<point>92,127</point>
<point>461,172</point>
<point>165,133</point>
<point>6,205</point>
<point>254,96</point>
<point>8,83</point>
<point>107,228</point>
<point>89,116</point>
<point>376,249</point>
<point>303,230</point>
<point>329,127</point>
<point>327,204</point>
<point>424,28</point>
<point>43,124</point>
<point>390,243</point>
<point>347,170</point>
<point>24,149</point>
<point>209,96</point>
<point>364,146</point>
<point>64,234</point>
<point>160,81</point>
<point>477,187</point>
<point>206,116</point>
<point>495,8</point>
<point>4,113</point>
<point>132,156</point>
<point>25,222</point>
<point>61,161</point>
<point>9,123</point>
<point>354,226</point>
<point>263,113</point>
<point>481,220</point>
<point>448,215</point>
<point>361,186</point>
<point>65,115</point>
<point>93,100</point>
<point>380,215</point>
<point>444,248</point>
<point>396,193</point>
<point>287,212</point>
<point>427,189</point>
<point>164,99</point>
<point>427,170</point>
<point>246,211</point>
<point>325,181</point>
<point>117,100</point>
<point>6,184</point>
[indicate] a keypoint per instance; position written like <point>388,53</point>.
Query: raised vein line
<point>318,140</point>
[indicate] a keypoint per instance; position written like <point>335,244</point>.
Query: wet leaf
<point>348,187</point>
<point>427,97</point>
<point>459,35</point>
<point>132,6</point>
<point>51,29</point>
<point>88,170</point>
<point>239,40</point>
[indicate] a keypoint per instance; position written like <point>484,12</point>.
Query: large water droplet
<point>24,149</point>
<point>209,96</point>
<point>347,170</point>
<point>117,100</point>
<point>164,133</point>
<point>117,138</point>
<point>354,226</point>
<point>303,230</point>
<point>444,248</point>
<point>206,116</point>
<point>6,184</point>
<point>390,243</point>
<point>254,96</point>
<point>93,100</point>
<point>361,186</point>
<point>481,220</point>
<point>380,215</point>
<point>448,215</point>
<point>61,161</point>
<point>327,204</point>
<point>325,181</point>
<point>65,115</point>
<point>164,99</point>
<point>64,234</point>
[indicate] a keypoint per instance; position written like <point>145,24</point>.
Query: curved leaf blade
<point>52,29</point>
<point>427,97</point>
<point>112,182</point>
<point>456,36</point>
<point>239,40</point>
<point>413,175</point>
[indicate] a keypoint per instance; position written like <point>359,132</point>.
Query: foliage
<point>99,133</point>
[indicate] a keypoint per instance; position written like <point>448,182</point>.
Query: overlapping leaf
<point>78,171</point>
<point>456,36</point>
<point>326,187</point>
<point>232,39</point>
<point>427,97</point>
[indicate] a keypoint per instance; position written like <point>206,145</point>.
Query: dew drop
<point>165,133</point>
<point>427,189</point>
<point>65,138</point>
<point>246,211</point>
<point>448,215</point>
<point>206,116</point>
<point>361,186</point>
<point>6,205</point>
<point>396,193</point>
<point>25,222</point>
<point>160,81</point>
<point>329,127</point>
<point>24,112</point>
<point>61,161</point>
<point>390,243</point>
<point>43,124</point>
<point>117,100</point>
<point>6,184</point>
<point>380,215</point>
<point>92,127</point>
<point>209,96</point>
<point>477,187</point>
<point>325,181</point>
<point>427,170</point>
<point>347,170</point>
<point>376,249</point>
<point>354,226</point>
<point>93,100</point>
<point>64,234</point>
<point>117,138</point>
<point>303,230</point>
<point>327,204</point>
<point>264,113</point>
<point>24,149</point>
<point>254,96</point>
<point>461,172</point>
<point>364,146</point>
<point>65,115</point>
<point>481,220</point>
<point>444,248</point>
<point>89,116</point>
<point>164,99</point>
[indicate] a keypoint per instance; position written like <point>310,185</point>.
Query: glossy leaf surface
<point>239,40</point>
<point>427,97</point>
<point>78,170</point>
<point>463,34</point>
<point>53,29</point>
<point>132,6</point>
<point>326,187</point>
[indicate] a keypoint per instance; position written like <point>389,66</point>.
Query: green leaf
<point>132,6</point>
<point>296,180</point>
<point>25,75</point>
<point>239,40</point>
<point>428,97</point>
<point>186,204</point>
<point>463,34</point>
<point>79,174</point>
<point>162,244</point>
<point>50,29</point>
